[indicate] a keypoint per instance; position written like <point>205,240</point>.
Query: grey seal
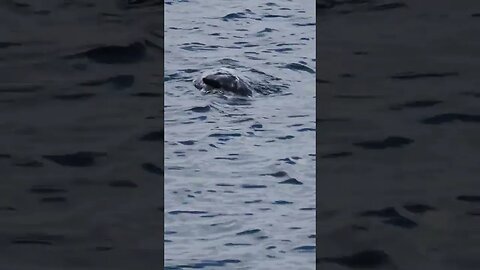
<point>222,81</point>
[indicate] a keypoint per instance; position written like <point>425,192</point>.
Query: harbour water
<point>240,174</point>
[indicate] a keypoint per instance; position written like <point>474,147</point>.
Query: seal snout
<point>212,83</point>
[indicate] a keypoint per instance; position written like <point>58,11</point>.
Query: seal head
<point>221,81</point>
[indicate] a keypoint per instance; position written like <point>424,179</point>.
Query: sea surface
<point>398,129</point>
<point>240,173</point>
<point>81,134</point>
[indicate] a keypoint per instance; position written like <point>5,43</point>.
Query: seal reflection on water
<point>221,81</point>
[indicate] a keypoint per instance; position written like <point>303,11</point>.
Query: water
<point>240,174</point>
<point>80,136</point>
<point>398,134</point>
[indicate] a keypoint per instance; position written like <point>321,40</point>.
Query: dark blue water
<point>240,174</point>
<point>80,134</point>
<point>398,134</point>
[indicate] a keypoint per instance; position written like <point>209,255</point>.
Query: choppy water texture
<point>240,174</point>
<point>80,134</point>
<point>399,134</point>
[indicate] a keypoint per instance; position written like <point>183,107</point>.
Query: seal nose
<point>211,82</point>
